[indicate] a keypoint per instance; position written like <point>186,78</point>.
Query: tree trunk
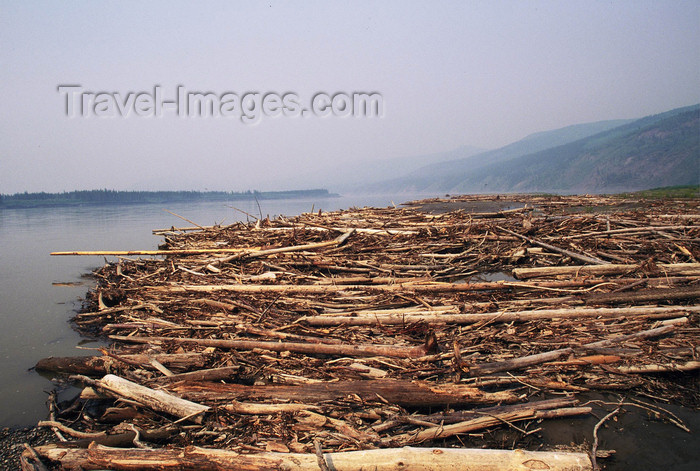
<point>428,317</point>
<point>297,347</point>
<point>408,459</point>
<point>685,269</point>
<point>98,365</point>
<point>155,399</point>
<point>401,392</point>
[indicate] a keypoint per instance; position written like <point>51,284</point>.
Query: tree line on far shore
<point>70,198</point>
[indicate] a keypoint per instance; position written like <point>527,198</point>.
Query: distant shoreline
<point>114,197</point>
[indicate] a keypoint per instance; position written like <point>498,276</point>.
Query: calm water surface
<point>35,304</point>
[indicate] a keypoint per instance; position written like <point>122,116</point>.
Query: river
<point>39,293</point>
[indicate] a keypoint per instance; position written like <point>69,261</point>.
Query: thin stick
<point>319,455</point>
<point>258,203</point>
<point>594,449</point>
<point>244,212</point>
<point>183,218</point>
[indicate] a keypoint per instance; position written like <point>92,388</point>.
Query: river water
<point>40,293</point>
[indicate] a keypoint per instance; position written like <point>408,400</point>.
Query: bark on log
<point>306,348</point>
<point>431,318</point>
<point>401,392</point>
<point>683,269</point>
<point>409,459</point>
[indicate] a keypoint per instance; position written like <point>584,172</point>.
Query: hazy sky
<point>480,73</point>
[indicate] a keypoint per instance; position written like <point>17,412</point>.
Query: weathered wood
<point>634,230</point>
<point>125,253</point>
<point>646,295</point>
<point>490,420</point>
<point>264,409</point>
<point>155,399</point>
<point>409,459</point>
<point>98,365</point>
<point>247,252</point>
<point>401,392</point>
<point>684,269</point>
<point>517,363</point>
<point>576,256</point>
<point>665,368</point>
<point>438,318</point>
<point>416,287</point>
<point>530,360</point>
<point>307,348</point>
<point>212,374</point>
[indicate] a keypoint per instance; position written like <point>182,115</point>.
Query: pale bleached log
<point>98,457</point>
<point>252,408</point>
<point>297,347</point>
<point>576,256</point>
<point>98,365</point>
<point>627,230</point>
<point>247,252</point>
<point>682,269</point>
<point>665,368</point>
<point>417,287</point>
<point>481,423</point>
<point>155,399</point>
<point>429,317</point>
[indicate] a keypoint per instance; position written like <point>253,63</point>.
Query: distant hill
<point>358,174</point>
<point>449,173</point>
<point>660,150</point>
<point>105,197</point>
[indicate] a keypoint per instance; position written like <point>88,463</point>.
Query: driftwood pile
<point>336,339</point>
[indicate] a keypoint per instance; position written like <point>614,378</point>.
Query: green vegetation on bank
<point>680,191</point>
<point>74,198</point>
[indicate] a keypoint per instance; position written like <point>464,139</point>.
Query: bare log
<point>489,420</point>
<point>126,253</point>
<point>576,256</point>
<point>306,348</point>
<point>642,296</point>
<point>98,365</point>
<point>401,392</point>
<point>517,363</point>
<point>676,269</point>
<point>263,409</point>
<point>211,374</point>
<point>666,368</point>
<point>530,360</point>
<point>409,459</point>
<point>416,287</point>
<point>155,399</point>
<point>439,318</point>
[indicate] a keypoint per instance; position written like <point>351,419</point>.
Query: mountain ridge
<point>610,160</point>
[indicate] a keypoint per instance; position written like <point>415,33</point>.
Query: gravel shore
<point>12,442</point>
